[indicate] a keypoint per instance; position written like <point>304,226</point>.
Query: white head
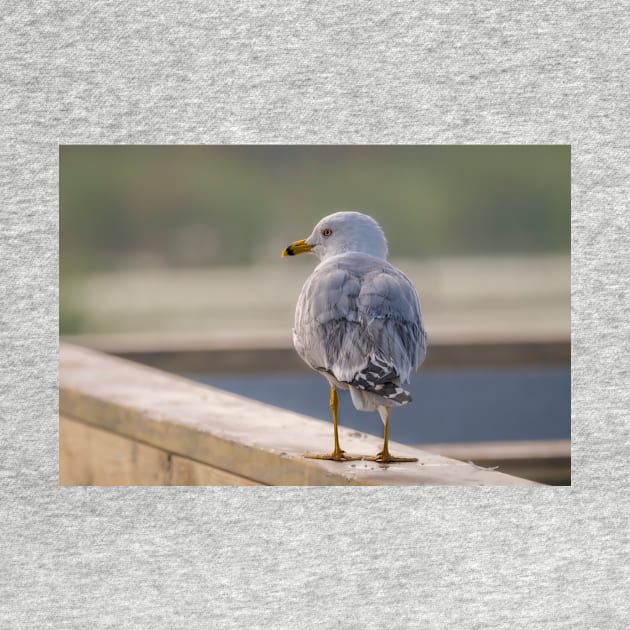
<point>340,233</point>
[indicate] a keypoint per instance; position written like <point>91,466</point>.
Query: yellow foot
<point>336,456</point>
<point>386,458</point>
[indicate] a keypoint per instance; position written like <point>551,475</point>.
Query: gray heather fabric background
<point>328,72</point>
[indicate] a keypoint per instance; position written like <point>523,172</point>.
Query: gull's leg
<point>384,456</point>
<point>337,455</point>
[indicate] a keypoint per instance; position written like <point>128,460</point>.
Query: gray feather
<point>359,319</point>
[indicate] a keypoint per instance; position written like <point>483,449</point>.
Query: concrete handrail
<point>128,424</point>
<point>198,353</point>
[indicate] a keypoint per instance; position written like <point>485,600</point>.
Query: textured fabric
<point>330,72</point>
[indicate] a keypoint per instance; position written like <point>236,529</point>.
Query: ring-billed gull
<point>358,320</point>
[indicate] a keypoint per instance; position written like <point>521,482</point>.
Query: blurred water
<point>449,405</point>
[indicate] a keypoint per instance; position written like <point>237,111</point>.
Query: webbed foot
<point>384,457</point>
<point>337,456</point>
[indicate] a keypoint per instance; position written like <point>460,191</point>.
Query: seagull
<point>358,321</point>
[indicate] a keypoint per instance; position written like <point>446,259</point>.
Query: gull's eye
<point>326,232</point>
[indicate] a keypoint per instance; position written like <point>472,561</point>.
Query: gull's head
<point>341,233</point>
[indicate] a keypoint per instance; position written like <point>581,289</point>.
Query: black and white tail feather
<point>379,377</point>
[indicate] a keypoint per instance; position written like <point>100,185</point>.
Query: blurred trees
<point>182,206</point>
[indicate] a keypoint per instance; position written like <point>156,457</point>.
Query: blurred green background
<point>130,209</point>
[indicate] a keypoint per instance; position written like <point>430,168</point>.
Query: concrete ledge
<point>94,457</point>
<point>203,354</point>
<point>546,461</point>
<point>234,439</point>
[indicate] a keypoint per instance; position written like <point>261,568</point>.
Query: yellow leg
<point>384,456</point>
<point>337,455</point>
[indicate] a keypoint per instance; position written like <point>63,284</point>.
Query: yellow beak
<point>299,247</point>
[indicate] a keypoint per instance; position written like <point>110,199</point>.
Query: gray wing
<point>359,312</point>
